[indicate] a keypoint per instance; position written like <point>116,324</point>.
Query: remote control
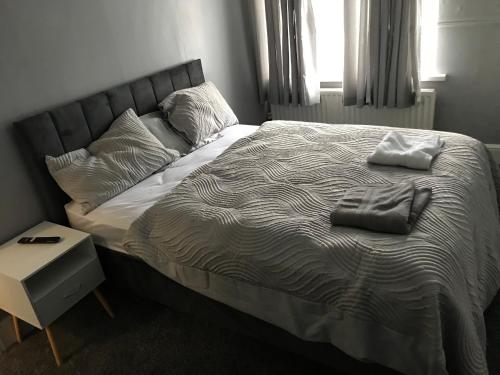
<point>39,240</point>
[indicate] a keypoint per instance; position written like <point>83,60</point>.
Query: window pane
<point>429,38</point>
<point>329,16</point>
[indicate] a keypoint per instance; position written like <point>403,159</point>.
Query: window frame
<point>435,76</point>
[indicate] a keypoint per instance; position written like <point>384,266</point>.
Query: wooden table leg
<point>103,302</point>
<point>15,323</point>
<point>53,345</point>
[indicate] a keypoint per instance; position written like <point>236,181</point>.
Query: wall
<point>469,52</point>
<point>59,50</point>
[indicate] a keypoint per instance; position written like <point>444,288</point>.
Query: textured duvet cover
<point>252,230</point>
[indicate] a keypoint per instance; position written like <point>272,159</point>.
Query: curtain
<point>285,51</point>
<point>382,40</point>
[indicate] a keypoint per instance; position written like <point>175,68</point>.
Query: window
<point>329,15</point>
<point>429,39</point>
<point>330,43</point>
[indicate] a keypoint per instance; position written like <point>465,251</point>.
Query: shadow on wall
<point>233,54</point>
<point>467,102</point>
<point>20,205</point>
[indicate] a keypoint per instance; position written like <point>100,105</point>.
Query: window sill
<point>434,78</point>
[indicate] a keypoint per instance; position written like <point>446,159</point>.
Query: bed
<point>457,276</point>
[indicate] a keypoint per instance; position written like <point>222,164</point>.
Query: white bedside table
<point>40,282</point>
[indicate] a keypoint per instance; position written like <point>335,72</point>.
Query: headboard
<point>77,124</point>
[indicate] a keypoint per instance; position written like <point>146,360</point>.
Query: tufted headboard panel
<point>77,124</point>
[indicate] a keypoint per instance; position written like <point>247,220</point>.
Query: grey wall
<point>469,52</point>
<point>59,50</point>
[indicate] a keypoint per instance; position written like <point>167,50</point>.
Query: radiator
<point>332,111</point>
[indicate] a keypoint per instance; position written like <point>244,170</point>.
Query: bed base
<point>134,275</point>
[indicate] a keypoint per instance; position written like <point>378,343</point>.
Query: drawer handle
<point>76,290</point>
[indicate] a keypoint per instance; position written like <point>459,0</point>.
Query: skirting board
<point>495,151</point>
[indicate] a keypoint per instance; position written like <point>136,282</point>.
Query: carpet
<point>147,338</point>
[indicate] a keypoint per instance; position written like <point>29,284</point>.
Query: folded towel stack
<point>414,152</point>
<point>382,208</point>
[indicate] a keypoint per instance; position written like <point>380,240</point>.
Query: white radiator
<point>332,111</point>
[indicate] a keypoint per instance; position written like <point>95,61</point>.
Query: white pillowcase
<point>198,112</point>
<point>124,155</point>
<point>156,124</point>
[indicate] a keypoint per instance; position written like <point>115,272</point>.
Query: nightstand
<point>40,282</point>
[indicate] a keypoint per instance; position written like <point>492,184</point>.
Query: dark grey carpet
<point>146,338</point>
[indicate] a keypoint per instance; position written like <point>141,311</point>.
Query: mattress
<point>109,222</point>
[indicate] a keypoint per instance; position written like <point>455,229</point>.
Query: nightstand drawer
<point>66,294</point>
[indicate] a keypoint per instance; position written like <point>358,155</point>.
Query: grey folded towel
<point>382,208</point>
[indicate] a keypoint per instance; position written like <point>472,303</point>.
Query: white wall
<point>55,51</point>
<point>469,52</point>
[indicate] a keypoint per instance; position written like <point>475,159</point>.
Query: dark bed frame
<point>76,125</point>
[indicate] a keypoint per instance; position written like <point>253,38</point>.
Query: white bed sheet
<point>109,222</point>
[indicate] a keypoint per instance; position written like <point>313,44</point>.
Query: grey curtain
<point>382,40</point>
<point>285,51</point>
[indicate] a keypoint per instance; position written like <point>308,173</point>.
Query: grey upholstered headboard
<point>77,124</point>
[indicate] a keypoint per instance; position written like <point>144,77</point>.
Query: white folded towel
<point>414,152</point>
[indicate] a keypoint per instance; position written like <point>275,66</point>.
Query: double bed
<point>238,231</point>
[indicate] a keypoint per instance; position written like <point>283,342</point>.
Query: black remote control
<point>39,240</point>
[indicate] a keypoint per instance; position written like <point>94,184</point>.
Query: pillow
<point>124,155</point>
<point>157,125</point>
<point>198,112</point>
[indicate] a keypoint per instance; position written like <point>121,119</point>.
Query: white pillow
<point>124,155</point>
<point>156,124</point>
<point>198,112</point>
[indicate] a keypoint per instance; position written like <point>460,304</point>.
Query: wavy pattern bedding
<point>251,229</point>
